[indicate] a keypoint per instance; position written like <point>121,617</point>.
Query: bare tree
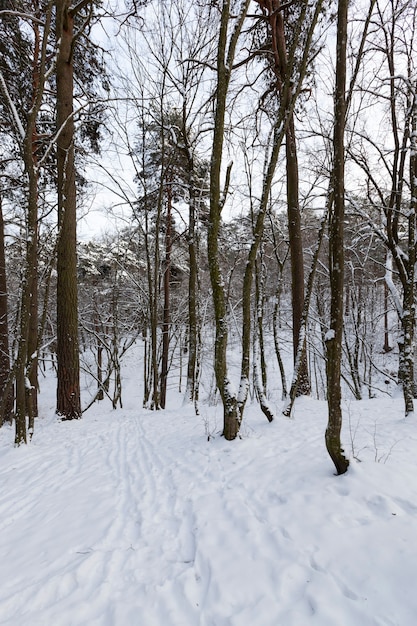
<point>387,164</point>
<point>289,88</point>
<point>229,32</point>
<point>334,336</point>
<point>283,65</point>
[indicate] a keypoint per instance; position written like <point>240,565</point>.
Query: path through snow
<point>133,518</point>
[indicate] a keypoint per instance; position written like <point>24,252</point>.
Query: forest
<point>244,175</point>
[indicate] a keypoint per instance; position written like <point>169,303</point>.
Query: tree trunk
<point>282,70</point>
<point>68,388</point>
<point>23,397</point>
<point>260,378</point>
<point>296,256</point>
<point>150,394</point>
<point>387,347</point>
<point>115,359</point>
<point>336,254</point>
<point>32,391</point>
<point>27,340</point>
<point>166,323</point>
<point>281,125</point>
<point>257,234</point>
<point>409,312</point>
<point>99,343</point>
<point>306,311</point>
<point>230,427</point>
<point>225,57</point>
<point>193,317</point>
<point>6,386</point>
<point>288,93</point>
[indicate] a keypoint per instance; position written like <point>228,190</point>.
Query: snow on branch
<point>11,106</point>
<point>24,16</point>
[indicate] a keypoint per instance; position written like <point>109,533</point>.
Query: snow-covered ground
<point>133,518</point>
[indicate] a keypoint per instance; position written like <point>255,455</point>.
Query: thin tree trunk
<point>6,389</point>
<point>387,347</point>
<point>24,397</point>
<point>154,290</point>
<point>166,324</point>
<point>258,229</point>
<point>193,317</point>
<point>99,343</point>
<point>334,336</point>
<point>32,391</point>
<point>225,58</point>
<point>23,408</point>
<point>409,312</point>
<point>259,348</point>
<point>146,368</point>
<point>117,394</point>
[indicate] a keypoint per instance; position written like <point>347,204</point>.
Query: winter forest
<point>207,282</point>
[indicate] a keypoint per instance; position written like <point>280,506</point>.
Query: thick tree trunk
<point>288,93</point>
<point>274,12</point>
<point>296,257</point>
<point>230,427</point>
<point>68,389</point>
<point>336,255</point>
<point>306,310</point>
<point>275,315</point>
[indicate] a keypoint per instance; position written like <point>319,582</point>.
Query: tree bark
<point>68,388</point>
<point>334,336</point>
<point>28,331</point>
<point>409,313</point>
<point>225,58</point>
<point>23,395</point>
<point>6,388</point>
<point>166,322</point>
<point>32,391</point>
<point>306,311</point>
<point>296,256</point>
<point>193,308</point>
<point>282,69</point>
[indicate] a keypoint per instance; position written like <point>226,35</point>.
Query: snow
<point>132,517</point>
<point>330,334</point>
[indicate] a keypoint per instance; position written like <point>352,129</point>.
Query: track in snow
<point>133,518</point>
